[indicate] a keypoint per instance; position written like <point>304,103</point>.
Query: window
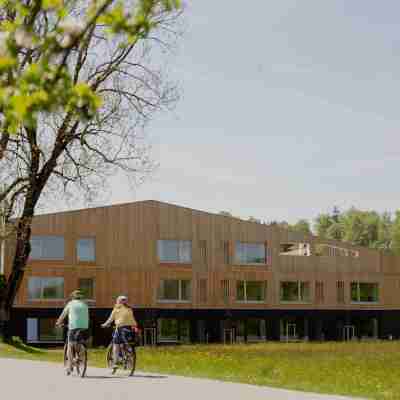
<point>319,292</point>
<point>295,249</point>
<point>225,289</point>
<point>363,292</point>
<point>173,330</point>
<point>176,251</point>
<point>203,290</point>
<point>295,291</point>
<point>167,329</point>
<point>43,330</point>
<point>184,331</point>
<point>86,285</point>
<point>45,288</point>
<point>340,292</point>
<point>85,249</point>
<point>175,290</point>
<point>47,248</point>
<point>203,251</point>
<point>250,291</point>
<point>48,332</point>
<point>256,330</point>
<point>250,253</point>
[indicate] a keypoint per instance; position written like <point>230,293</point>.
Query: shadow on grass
<point>149,376</point>
<point>23,347</point>
<point>126,377</point>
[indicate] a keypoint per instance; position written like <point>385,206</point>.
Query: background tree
<point>79,79</point>
<point>395,245</point>
<point>385,229</point>
<point>302,226</point>
<point>361,227</point>
<point>322,224</point>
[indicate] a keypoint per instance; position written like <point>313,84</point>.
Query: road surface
<point>21,380</point>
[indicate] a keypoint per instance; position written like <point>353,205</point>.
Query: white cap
<point>122,299</point>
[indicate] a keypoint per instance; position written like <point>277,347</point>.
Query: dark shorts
<point>77,336</point>
<point>123,335</point>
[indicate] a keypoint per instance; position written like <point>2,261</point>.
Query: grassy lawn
<point>369,370</point>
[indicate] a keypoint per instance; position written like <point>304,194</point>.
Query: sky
<point>288,108</point>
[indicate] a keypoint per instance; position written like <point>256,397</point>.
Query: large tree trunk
<point>5,331</point>
<point>8,295</point>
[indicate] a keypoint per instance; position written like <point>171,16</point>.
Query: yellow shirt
<point>122,316</point>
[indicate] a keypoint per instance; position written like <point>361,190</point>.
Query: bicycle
<point>127,355</point>
<point>79,362</point>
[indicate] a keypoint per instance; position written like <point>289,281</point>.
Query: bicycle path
<point>22,380</point>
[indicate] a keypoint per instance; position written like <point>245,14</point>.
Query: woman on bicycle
<point>125,323</point>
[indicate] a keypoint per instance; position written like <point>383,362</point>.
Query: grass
<point>368,370</point>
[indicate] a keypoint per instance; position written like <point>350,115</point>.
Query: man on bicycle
<point>77,312</point>
<point>126,325</point>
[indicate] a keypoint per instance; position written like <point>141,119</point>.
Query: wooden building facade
<point>193,276</point>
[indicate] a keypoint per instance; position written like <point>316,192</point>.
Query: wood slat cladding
<point>127,261</point>
<point>319,292</point>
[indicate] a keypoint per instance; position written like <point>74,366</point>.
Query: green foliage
<point>302,226</point>
<point>396,234</point>
<point>361,228</point>
<point>28,88</point>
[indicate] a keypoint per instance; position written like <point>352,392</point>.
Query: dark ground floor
<point>159,326</point>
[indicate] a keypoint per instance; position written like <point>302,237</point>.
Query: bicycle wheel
<point>66,355</point>
<point>109,356</point>
<point>130,360</point>
<point>81,360</point>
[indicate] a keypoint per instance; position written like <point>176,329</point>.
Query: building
<point>193,276</point>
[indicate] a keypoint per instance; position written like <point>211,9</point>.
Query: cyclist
<point>126,326</point>
<point>77,312</point>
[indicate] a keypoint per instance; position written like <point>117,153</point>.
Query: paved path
<point>22,380</point>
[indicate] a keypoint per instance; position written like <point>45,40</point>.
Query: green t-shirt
<point>78,314</point>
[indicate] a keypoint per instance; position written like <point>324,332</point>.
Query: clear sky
<point>288,108</point>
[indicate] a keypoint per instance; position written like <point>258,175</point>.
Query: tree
<point>78,83</point>
<point>396,234</point>
<point>361,227</point>
<point>322,224</point>
<point>302,226</point>
<point>385,229</point>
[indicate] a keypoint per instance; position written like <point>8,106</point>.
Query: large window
<point>250,291</point>
<point>256,330</point>
<point>86,285</point>
<point>173,330</point>
<point>295,291</point>
<point>175,290</point>
<point>47,248</point>
<point>363,292</point>
<point>43,330</point>
<point>167,329</point>
<point>250,253</point>
<point>86,249</point>
<point>45,288</point>
<point>175,251</point>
